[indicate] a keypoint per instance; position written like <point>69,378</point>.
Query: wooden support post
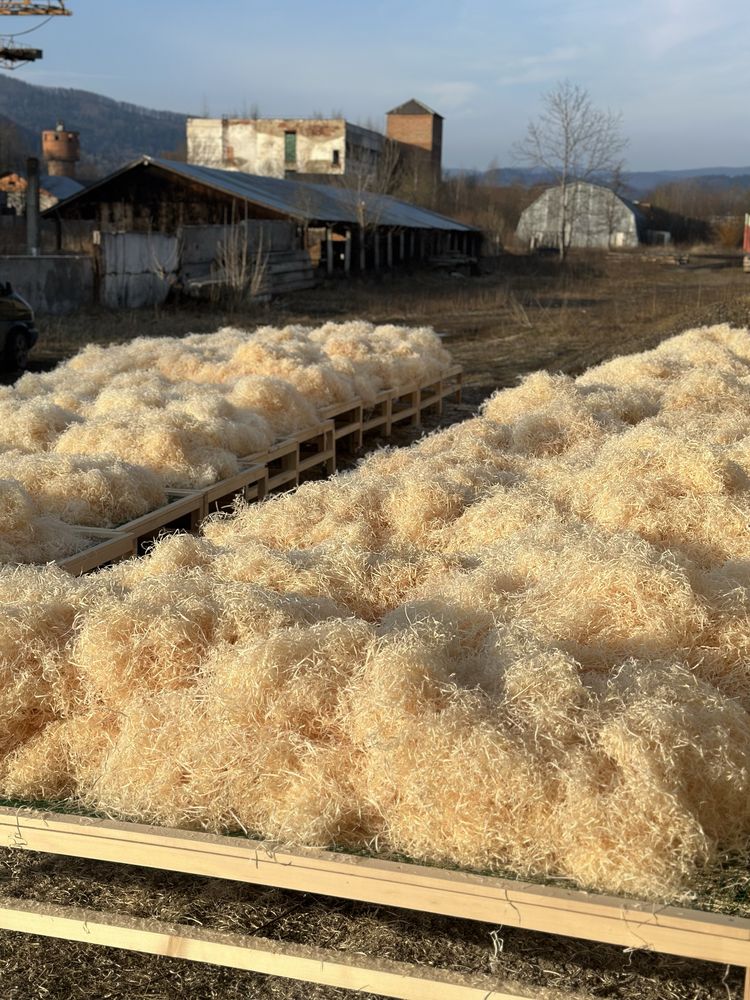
<point>412,243</point>
<point>746,995</point>
<point>362,248</point>
<point>389,249</point>
<point>421,244</point>
<point>377,249</point>
<point>402,247</point>
<point>329,252</point>
<point>348,253</point>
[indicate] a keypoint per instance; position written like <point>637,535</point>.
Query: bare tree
<point>572,141</point>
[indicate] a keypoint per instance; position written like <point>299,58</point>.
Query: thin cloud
<point>541,67</point>
<point>452,95</point>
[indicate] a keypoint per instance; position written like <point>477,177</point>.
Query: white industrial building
<point>318,147</point>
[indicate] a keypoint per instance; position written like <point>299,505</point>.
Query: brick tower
<point>62,150</point>
<point>414,124</point>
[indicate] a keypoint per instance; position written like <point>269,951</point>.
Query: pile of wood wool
<point>100,439</point>
<point>520,644</point>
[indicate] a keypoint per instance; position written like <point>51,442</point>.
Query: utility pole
<point>13,55</point>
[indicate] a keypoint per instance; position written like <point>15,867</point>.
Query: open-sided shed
<point>152,195</point>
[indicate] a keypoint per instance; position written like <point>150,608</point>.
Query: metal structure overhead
<point>31,8</point>
<point>13,55</point>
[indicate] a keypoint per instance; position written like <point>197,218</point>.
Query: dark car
<point>18,334</point>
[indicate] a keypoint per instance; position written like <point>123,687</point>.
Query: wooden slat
<point>281,461</point>
<point>323,445</point>
<point>185,504</point>
<point>405,405</point>
<point>594,917</point>
<point>379,414</point>
<point>221,495</point>
<point>276,958</point>
<point>113,545</point>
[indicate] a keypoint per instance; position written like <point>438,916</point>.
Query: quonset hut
<point>595,217</point>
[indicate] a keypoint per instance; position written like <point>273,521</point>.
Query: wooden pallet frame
<point>183,505</point>
<point>112,546</point>
<point>453,383</point>
<point>405,406</point>
<point>318,448</point>
<point>279,468</point>
<point>249,484</point>
<point>347,424</point>
<point>431,397</point>
<point>281,462</point>
<point>378,416</point>
<point>572,913</point>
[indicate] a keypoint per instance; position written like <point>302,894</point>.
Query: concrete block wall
<point>52,284</point>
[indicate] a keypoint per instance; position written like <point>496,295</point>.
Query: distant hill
<point>638,182</point>
<point>112,132</point>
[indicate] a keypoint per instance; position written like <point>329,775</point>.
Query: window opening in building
<point>336,158</point>
<point>290,147</point>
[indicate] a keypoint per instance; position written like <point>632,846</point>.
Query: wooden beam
<point>569,912</point>
<point>329,252</point>
<point>348,253</point>
<point>274,958</point>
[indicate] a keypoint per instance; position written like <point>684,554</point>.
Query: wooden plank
<point>113,546</point>
<point>282,463</point>
<point>405,406</point>
<point>185,506</point>
<point>379,415</point>
<point>347,423</point>
<point>317,448</point>
<point>568,912</point>
<point>221,495</point>
<point>254,954</point>
<point>431,397</point>
<point>453,380</point>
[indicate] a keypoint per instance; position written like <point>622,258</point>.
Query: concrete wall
<point>52,284</point>
<point>256,145</point>
<point>596,217</point>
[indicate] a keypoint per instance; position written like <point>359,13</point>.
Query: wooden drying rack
<point>587,916</point>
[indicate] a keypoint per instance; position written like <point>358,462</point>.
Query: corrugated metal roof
<point>312,203</point>
<point>60,187</point>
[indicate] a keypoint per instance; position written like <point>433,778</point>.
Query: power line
<point>18,34</point>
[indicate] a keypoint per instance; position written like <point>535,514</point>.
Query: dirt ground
<point>520,315</point>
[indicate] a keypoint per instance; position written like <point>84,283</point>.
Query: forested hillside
<point>112,132</point>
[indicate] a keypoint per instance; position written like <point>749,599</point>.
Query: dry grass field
<point>522,314</point>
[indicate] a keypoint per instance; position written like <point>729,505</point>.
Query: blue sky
<point>677,70</point>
